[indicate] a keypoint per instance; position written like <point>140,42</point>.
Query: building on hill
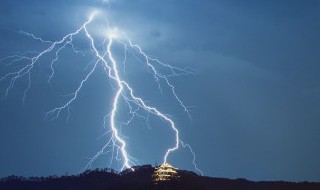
<point>165,172</point>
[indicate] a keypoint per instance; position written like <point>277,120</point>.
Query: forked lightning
<point>116,145</point>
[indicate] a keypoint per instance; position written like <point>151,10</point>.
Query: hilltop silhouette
<point>141,179</point>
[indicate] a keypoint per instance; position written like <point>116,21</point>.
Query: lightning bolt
<point>116,145</point>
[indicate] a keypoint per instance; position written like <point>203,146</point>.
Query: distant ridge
<point>141,179</point>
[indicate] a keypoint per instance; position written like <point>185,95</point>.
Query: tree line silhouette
<point>141,179</point>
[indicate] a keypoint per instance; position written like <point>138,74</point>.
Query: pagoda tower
<point>165,172</point>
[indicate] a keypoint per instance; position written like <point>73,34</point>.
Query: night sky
<point>255,100</point>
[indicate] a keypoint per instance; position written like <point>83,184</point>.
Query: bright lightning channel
<point>116,145</point>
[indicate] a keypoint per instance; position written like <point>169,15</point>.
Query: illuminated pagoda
<point>165,172</point>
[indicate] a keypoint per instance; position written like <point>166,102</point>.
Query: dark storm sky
<point>255,100</point>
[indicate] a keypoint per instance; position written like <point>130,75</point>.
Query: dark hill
<point>141,179</point>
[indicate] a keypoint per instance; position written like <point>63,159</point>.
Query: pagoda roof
<point>166,165</point>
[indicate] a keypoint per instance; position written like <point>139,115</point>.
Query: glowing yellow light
<point>165,172</point>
